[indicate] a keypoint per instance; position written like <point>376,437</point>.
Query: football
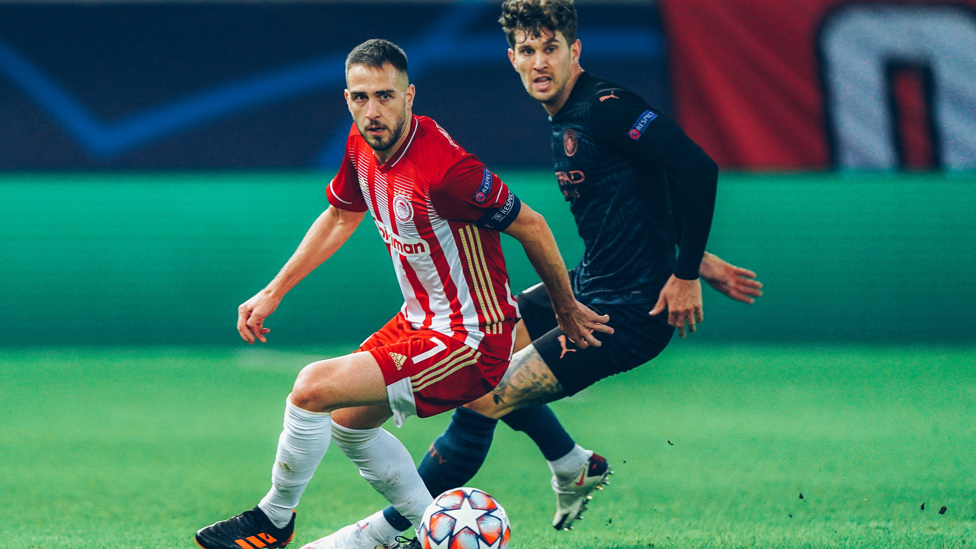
<point>464,518</point>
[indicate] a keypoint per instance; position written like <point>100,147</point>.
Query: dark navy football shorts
<point>638,337</point>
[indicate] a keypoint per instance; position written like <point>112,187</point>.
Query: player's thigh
<point>350,380</point>
<point>362,417</point>
<point>522,337</point>
<point>637,338</point>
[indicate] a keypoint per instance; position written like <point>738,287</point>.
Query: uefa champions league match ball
<point>464,518</point>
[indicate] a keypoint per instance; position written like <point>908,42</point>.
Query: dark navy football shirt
<point>618,162</point>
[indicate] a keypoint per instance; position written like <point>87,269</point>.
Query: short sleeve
<point>470,192</point>
<point>344,192</point>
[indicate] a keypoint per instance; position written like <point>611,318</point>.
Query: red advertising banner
<point>815,84</point>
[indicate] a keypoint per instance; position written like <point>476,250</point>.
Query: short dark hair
<point>375,52</point>
<point>536,17</point>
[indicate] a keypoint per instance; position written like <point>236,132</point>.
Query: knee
<point>312,389</point>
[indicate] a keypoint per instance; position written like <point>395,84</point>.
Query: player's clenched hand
<point>580,322</point>
<point>251,315</point>
<point>737,283</point>
<point>683,300</point>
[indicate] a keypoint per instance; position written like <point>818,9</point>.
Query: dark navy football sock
<point>396,520</point>
<point>543,428</point>
<point>454,458</point>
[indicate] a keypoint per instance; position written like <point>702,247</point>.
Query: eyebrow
<point>552,40</point>
<point>390,91</point>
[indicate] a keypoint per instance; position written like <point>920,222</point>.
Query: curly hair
<point>536,17</point>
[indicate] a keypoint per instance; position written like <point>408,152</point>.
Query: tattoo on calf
<point>527,382</point>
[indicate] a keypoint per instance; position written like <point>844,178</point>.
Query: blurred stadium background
<point>159,161</point>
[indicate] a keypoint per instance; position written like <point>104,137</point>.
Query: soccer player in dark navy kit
<point>642,194</point>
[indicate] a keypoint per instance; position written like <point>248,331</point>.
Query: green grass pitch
<point>714,447</point>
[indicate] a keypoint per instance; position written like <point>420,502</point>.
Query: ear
<point>411,92</point>
<point>511,58</point>
<point>575,49</point>
<point>345,93</point>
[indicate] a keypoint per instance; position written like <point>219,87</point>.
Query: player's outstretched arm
<point>326,235</point>
<point>735,282</point>
<point>575,319</point>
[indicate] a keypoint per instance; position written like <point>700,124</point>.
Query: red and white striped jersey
<point>439,210</point>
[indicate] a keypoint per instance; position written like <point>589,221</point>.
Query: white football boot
<point>573,496</point>
<point>355,536</point>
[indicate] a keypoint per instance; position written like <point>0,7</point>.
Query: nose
<point>539,61</point>
<point>372,109</point>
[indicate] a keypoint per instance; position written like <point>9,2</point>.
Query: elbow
<point>707,168</point>
<point>536,219</point>
<point>711,169</point>
<point>707,175</point>
<point>529,218</point>
<point>529,226</point>
<point>711,174</point>
<point>538,225</point>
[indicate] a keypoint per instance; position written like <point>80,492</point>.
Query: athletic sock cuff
<point>471,420</point>
<point>344,436</point>
<point>396,520</point>
<point>542,426</point>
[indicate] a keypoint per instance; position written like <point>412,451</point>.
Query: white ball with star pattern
<point>464,518</point>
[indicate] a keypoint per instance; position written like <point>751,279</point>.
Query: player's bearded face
<point>380,101</point>
<point>545,63</point>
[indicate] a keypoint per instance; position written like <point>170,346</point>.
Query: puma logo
<point>432,452</point>
<point>562,343</point>
<point>605,97</point>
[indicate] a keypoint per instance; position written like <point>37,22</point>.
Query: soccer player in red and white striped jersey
<point>439,211</point>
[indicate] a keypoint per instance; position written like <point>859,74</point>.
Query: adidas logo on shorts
<point>398,359</point>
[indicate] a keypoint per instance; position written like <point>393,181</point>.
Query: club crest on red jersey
<point>402,208</point>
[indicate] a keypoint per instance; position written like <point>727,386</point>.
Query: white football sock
<point>377,528</point>
<point>567,468</point>
<point>385,463</point>
<point>301,446</point>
